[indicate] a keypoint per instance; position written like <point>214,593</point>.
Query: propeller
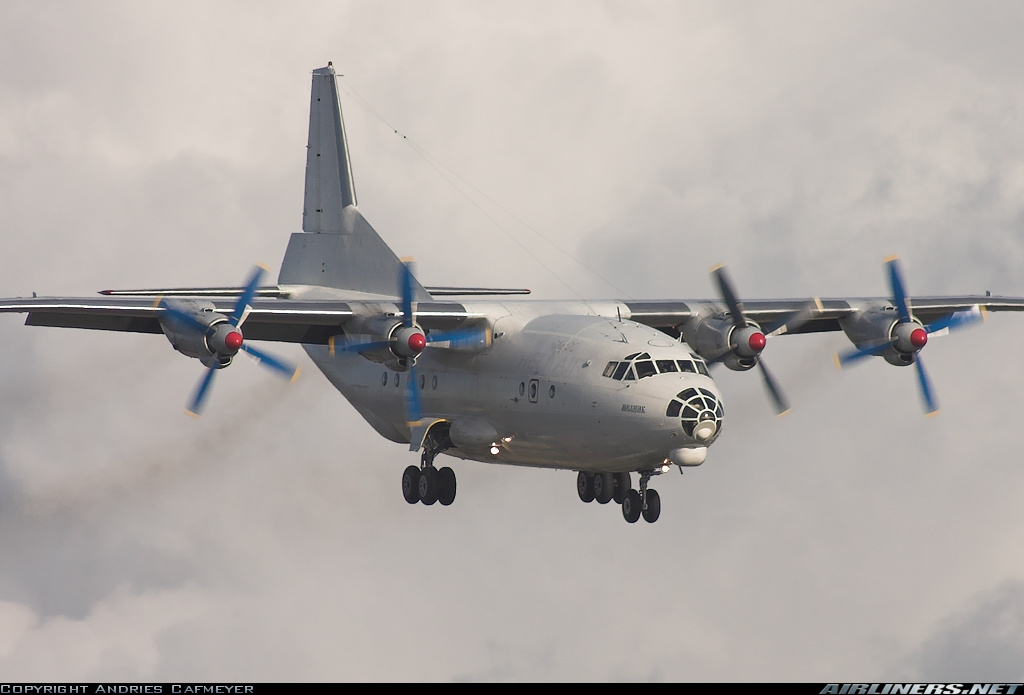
<point>909,336</point>
<point>225,339</point>
<point>409,341</point>
<point>747,341</point>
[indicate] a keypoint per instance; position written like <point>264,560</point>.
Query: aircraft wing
<point>291,322</point>
<point>813,315</point>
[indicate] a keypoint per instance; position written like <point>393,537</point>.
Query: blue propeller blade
<point>930,406</point>
<point>245,299</point>
<point>846,358</point>
<point>957,320</point>
<point>186,318</point>
<point>284,368</point>
<point>196,405</point>
<point>461,337</point>
<point>406,289</point>
<point>899,292</point>
<point>413,408</point>
<point>343,345</point>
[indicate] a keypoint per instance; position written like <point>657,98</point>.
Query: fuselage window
<point>610,369</point>
<point>645,368</point>
<point>433,382</point>
<point>423,381</point>
<point>522,388</point>
<point>551,391</point>
<point>534,388</point>
<point>384,379</point>
<point>667,366</point>
<point>620,371</point>
<point>397,376</point>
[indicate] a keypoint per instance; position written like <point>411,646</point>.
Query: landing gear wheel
<point>585,486</point>
<point>604,487</point>
<point>631,506</point>
<point>622,487</point>
<point>653,510</point>
<point>428,486</point>
<point>446,486</point>
<point>411,484</point>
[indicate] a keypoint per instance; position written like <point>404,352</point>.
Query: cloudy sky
<point>614,150</point>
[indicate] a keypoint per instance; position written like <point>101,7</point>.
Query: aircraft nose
<point>700,413</point>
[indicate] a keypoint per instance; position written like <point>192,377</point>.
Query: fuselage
<point>562,385</point>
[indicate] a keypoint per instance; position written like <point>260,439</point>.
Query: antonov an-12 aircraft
<point>605,388</point>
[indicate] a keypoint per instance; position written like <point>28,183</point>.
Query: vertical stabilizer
<point>337,247</point>
<point>329,185</point>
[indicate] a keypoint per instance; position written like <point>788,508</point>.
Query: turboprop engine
<point>194,328</point>
<point>719,339</point>
<point>901,338</point>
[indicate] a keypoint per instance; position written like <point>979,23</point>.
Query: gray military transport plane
<point>605,388</point>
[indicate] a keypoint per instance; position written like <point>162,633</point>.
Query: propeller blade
<point>245,299</point>
<point>183,317</point>
<point>957,320</point>
<point>278,365</point>
<point>899,292</point>
<point>729,296</point>
<point>931,407</point>
<point>793,321</point>
<point>413,408</point>
<point>337,344</point>
<point>196,404</point>
<point>461,337</point>
<point>774,392</point>
<point>406,293</point>
<point>845,358</point>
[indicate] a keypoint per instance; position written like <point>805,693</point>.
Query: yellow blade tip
<point>264,266</point>
<point>156,302</point>
<point>933,413</point>
<point>835,358</point>
<point>298,370</point>
<point>408,259</point>
<point>716,267</point>
<point>890,259</point>
<point>191,414</point>
<point>817,303</point>
<point>785,412</point>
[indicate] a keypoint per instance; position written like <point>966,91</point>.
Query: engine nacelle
<point>716,338</point>
<point>205,335</point>
<point>883,325</point>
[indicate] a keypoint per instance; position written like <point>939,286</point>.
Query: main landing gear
<point>605,487</point>
<point>427,484</point>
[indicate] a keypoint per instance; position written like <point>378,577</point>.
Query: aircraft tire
<point>411,484</point>
<point>585,486</point>
<point>604,487</point>
<point>622,487</point>
<point>631,506</point>
<point>446,486</point>
<point>653,510</point>
<point>428,485</point>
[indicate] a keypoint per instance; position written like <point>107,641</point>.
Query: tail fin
<point>337,247</point>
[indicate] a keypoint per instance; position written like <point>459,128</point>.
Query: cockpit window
<point>645,368</point>
<point>639,365</point>
<point>620,371</point>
